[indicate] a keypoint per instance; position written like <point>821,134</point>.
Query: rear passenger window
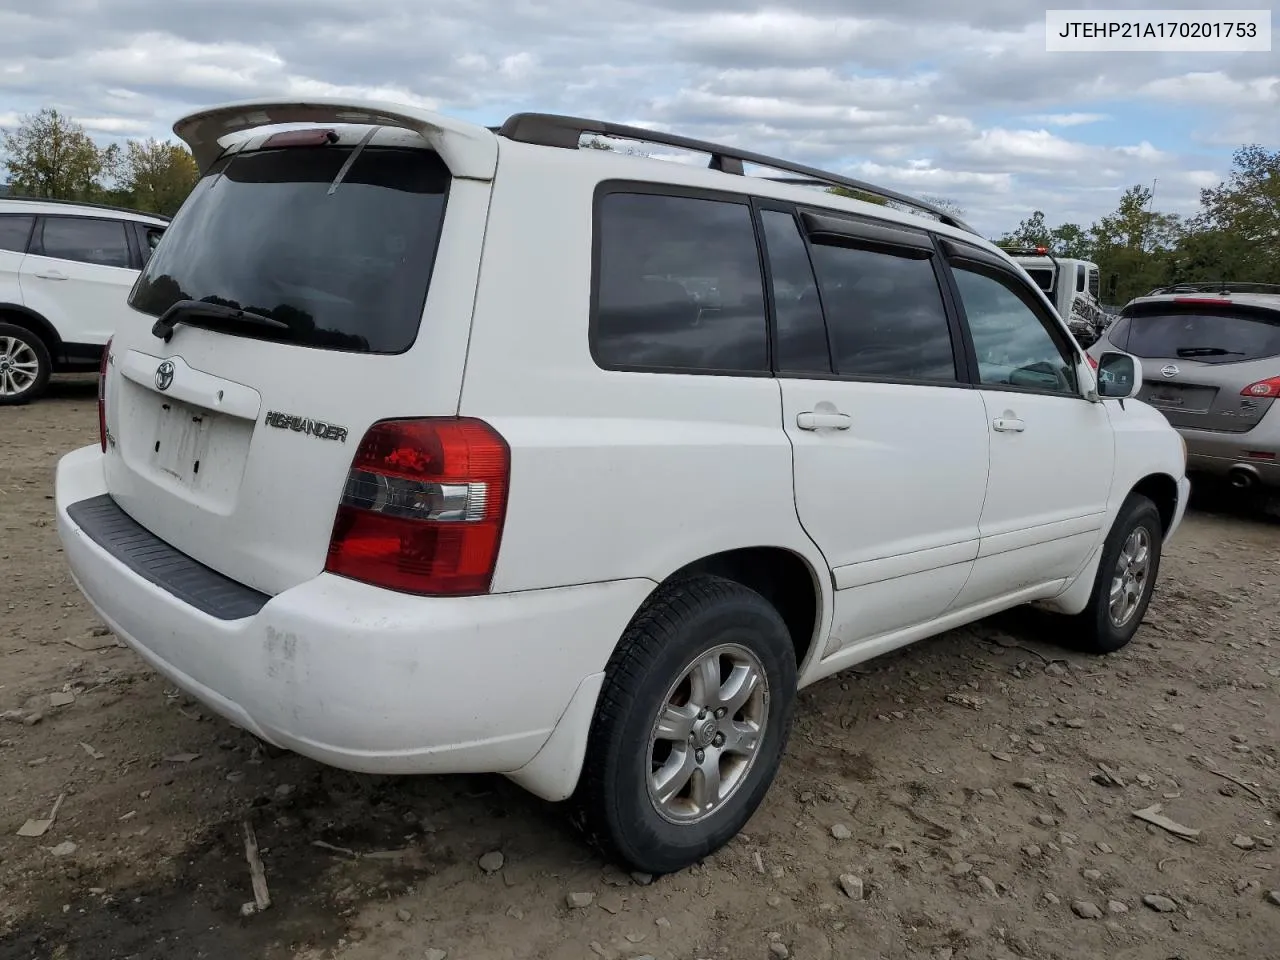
<point>85,241</point>
<point>14,231</point>
<point>885,314</point>
<point>802,335</point>
<point>678,286</point>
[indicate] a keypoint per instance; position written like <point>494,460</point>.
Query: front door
<point>1052,451</point>
<point>889,446</point>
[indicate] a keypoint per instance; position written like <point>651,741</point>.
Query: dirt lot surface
<point>980,785</point>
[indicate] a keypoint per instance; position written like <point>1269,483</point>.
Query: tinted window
<point>885,314</point>
<point>14,231</point>
<point>1094,287</point>
<point>1012,343</point>
<point>150,237</point>
<point>1207,337</point>
<point>1080,278</point>
<point>346,269</point>
<point>1043,277</point>
<point>86,241</point>
<point>679,285</point>
<point>802,335</point>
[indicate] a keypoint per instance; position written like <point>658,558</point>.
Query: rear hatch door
<point>312,257</point>
<point>1198,357</point>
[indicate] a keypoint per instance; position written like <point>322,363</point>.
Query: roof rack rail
<point>1216,286</point>
<point>87,203</point>
<point>553,130</point>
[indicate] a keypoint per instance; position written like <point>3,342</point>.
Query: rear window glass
<point>1210,337</point>
<point>14,231</point>
<point>345,268</point>
<point>1042,276</point>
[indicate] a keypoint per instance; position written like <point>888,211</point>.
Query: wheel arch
<point>28,319</point>
<point>1162,490</point>
<point>782,576</point>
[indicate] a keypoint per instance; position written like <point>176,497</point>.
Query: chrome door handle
<point>52,275</point>
<point>1008,425</point>
<point>809,420</point>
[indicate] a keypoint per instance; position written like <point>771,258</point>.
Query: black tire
<point>679,624</point>
<point>1097,631</point>
<point>24,343</point>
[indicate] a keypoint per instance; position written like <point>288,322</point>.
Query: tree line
<point>1234,236</point>
<point>49,155</point>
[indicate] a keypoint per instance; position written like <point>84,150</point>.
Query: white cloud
<point>953,99</point>
<point>1067,119</point>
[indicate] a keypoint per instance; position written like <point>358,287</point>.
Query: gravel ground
<point>975,792</point>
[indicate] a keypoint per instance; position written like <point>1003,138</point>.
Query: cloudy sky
<point>952,99</point>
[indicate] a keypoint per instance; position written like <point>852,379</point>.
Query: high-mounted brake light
<point>1215,301</point>
<point>1263,389</point>
<point>1042,250</point>
<point>102,395</point>
<point>423,508</point>
<point>301,138</point>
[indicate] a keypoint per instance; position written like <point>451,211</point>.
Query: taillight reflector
<point>102,395</point>
<point>423,507</point>
<point>1092,362</point>
<point>1263,389</point>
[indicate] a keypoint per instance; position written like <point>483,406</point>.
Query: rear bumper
<point>358,677</point>
<point>1255,455</point>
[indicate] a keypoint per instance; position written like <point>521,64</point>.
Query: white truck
<point>1073,286</point>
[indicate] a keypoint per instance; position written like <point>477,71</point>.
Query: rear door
<point>890,445</point>
<point>1198,357</point>
<point>77,273</point>
<point>232,440</point>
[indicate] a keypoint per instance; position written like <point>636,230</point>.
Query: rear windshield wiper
<point>1207,352</point>
<point>183,311</point>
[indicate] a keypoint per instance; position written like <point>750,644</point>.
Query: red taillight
<point>1264,389</point>
<point>1092,362</point>
<point>102,395</point>
<point>423,507</point>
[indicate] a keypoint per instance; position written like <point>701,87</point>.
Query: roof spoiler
<point>469,150</point>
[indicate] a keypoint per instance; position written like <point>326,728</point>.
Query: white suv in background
<point>65,274</point>
<point>451,449</point>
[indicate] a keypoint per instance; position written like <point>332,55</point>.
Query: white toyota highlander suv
<point>452,449</point>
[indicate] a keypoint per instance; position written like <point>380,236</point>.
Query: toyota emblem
<point>1169,370</point>
<point>164,375</point>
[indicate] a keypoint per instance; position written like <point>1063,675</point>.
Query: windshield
<point>344,268</point>
<point>1225,337</point>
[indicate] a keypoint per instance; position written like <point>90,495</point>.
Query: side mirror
<point>1119,376</point>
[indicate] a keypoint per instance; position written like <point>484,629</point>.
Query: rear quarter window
<point>678,285</point>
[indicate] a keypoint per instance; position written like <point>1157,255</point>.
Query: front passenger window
<point>1012,343</point>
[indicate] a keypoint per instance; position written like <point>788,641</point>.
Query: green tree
<point>1237,233</point>
<point>853,194</point>
<point>1071,240</point>
<point>157,175</point>
<point>1031,232</point>
<point>50,155</point>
